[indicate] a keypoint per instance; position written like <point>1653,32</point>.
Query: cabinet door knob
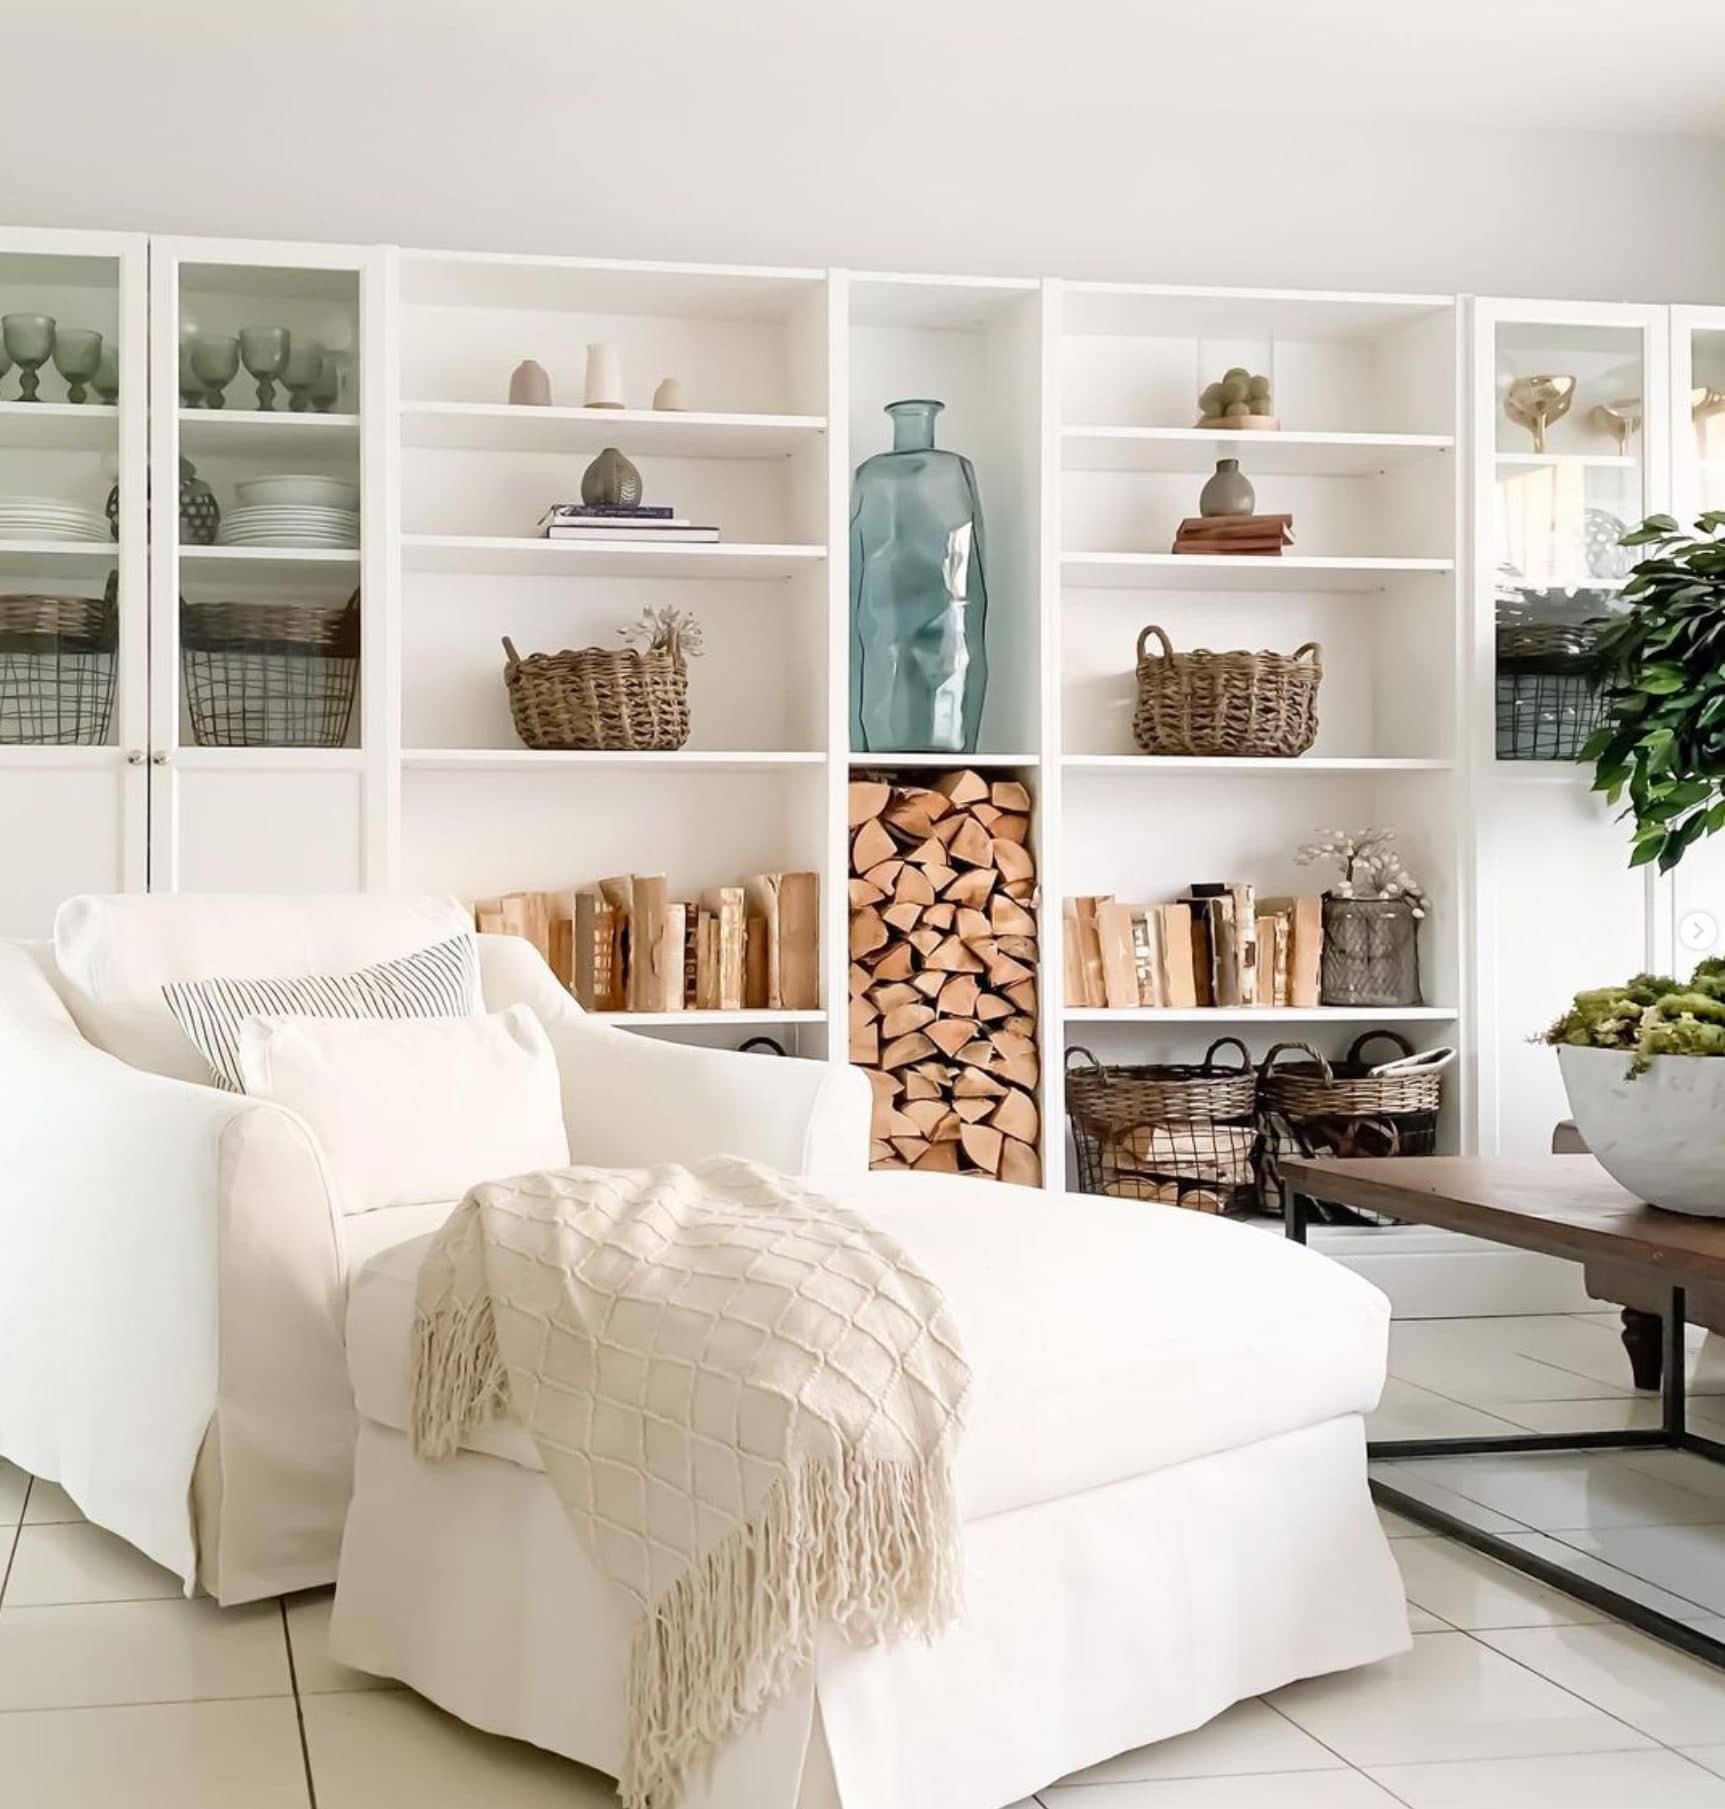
<point>134,756</point>
<point>159,757</point>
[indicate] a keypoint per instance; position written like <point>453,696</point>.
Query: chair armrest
<point>125,1206</point>
<point>631,1100</point>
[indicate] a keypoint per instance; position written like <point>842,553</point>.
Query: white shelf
<point>58,756</point>
<point>1144,766</point>
<point>525,556</point>
<point>1175,311</point>
<point>1268,452</point>
<point>1542,772</point>
<point>1604,461</point>
<point>605,286</point>
<point>888,762</point>
<point>1220,571</point>
<point>522,760</point>
<point>271,555</point>
<point>269,759</point>
<point>938,303</point>
<point>1262,1014</point>
<point>267,434</point>
<point>23,558</point>
<point>58,426</point>
<point>644,432</point>
<point>743,1020</point>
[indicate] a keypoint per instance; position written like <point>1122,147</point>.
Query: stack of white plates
<point>290,524</point>
<point>47,518</point>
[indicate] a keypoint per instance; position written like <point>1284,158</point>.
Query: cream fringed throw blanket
<point>746,1398</point>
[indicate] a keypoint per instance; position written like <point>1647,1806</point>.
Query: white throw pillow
<point>439,982</point>
<point>412,1110</point>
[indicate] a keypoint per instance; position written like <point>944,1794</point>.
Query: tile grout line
<point>17,1534</point>
<point>1534,1671</point>
<point>298,1706</point>
<point>1341,1758</point>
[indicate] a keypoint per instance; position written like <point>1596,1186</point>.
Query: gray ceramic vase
<point>611,482</point>
<point>1229,492</point>
<point>529,386</point>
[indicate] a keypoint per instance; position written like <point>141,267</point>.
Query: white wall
<point>941,136</point>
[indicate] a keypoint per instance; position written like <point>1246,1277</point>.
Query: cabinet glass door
<point>1692,917</point>
<point>73,630</point>
<point>1570,411</point>
<point>261,759</point>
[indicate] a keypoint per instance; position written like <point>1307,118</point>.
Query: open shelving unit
<point>1368,393</point>
<point>1074,401</point>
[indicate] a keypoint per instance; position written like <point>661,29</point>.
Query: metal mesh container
<point>270,674</point>
<point>57,669</point>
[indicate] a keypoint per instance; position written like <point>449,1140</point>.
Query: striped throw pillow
<point>437,982</point>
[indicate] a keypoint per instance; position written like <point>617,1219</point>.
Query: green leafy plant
<point>1662,667</point>
<point>1650,1015</point>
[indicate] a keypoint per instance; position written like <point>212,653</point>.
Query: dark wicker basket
<point>1549,699</point>
<point>1319,1108</point>
<point>1182,1134</point>
<point>270,674</point>
<point>598,697</point>
<point>1371,952</point>
<point>1226,704</point>
<point>57,668</point>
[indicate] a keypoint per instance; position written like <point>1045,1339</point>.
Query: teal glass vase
<point>919,599</point>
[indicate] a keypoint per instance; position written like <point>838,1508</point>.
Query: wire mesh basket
<point>1549,699</point>
<point>1322,1108</point>
<point>1371,953</point>
<point>1178,1133</point>
<point>270,674</point>
<point>57,667</point>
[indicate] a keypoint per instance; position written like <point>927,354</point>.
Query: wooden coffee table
<point>1565,1206</point>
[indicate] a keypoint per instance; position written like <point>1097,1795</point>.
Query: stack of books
<point>625,945</point>
<point>616,525</point>
<point>1221,945</point>
<point>1259,535</point>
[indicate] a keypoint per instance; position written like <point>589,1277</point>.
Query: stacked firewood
<point>943,973</point>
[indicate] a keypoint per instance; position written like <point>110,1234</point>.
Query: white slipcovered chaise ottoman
<point>1164,1492</point>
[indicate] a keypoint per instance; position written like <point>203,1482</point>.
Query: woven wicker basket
<point>57,668</point>
<point>1314,1108</point>
<point>1180,1134</point>
<point>598,697</point>
<point>270,674</point>
<point>1226,704</point>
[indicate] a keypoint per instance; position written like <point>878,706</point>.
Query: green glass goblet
<point>77,354</point>
<point>216,363</point>
<point>106,382</point>
<point>29,338</point>
<point>303,368</point>
<point>264,352</point>
<point>327,386</point>
<point>191,384</point>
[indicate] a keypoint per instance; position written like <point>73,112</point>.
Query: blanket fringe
<point>459,1380</point>
<point>863,1546</point>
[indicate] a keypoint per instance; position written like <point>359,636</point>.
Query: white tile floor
<point>115,1693</point>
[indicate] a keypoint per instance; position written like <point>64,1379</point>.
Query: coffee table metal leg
<point>1676,1364</point>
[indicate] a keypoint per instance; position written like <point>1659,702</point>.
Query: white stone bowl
<point>299,487</point>
<point>1662,1134</point>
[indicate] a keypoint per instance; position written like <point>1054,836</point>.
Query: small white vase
<point>669,397</point>
<point>1662,1134</point>
<point>604,376</point>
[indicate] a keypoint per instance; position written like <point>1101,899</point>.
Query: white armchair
<point>173,1269</point>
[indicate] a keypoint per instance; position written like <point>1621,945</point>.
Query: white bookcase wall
<point>1074,401</point>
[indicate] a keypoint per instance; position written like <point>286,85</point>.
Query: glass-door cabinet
<point>1571,449</point>
<point>73,624</point>
<point>269,560</point>
<point>1691,919</point>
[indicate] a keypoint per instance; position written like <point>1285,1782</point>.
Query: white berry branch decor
<point>666,630</point>
<point>1369,866</point>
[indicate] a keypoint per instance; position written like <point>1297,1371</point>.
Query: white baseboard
<point>1431,1274</point>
